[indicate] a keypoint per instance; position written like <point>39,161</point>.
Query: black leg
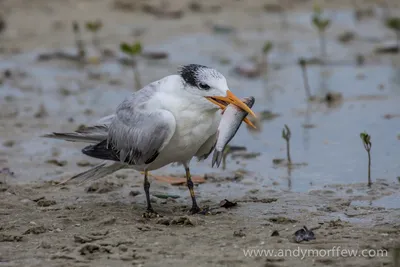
<point>195,208</point>
<point>150,213</point>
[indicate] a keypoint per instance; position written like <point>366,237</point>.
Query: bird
<point>171,120</point>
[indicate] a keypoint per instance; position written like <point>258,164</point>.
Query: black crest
<point>190,73</point>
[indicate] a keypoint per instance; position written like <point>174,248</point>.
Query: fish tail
<point>217,158</point>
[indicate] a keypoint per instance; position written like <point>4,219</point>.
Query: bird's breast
<point>192,130</point>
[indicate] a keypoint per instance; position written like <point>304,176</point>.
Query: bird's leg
<point>150,213</point>
<point>195,208</point>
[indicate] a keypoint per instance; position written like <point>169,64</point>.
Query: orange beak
<point>223,101</point>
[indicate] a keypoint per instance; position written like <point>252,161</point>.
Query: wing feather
<point>137,133</point>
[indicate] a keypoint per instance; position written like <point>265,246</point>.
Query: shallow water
<point>332,149</point>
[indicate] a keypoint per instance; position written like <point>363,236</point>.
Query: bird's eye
<point>204,86</point>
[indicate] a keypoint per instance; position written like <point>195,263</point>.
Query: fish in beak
<point>223,101</point>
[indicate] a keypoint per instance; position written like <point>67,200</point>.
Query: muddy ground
<point>100,223</point>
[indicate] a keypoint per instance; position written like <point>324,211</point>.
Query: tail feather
<point>217,158</point>
<point>75,137</point>
<point>97,172</point>
<point>92,134</point>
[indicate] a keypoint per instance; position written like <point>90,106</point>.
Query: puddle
<point>389,202</point>
<point>331,148</point>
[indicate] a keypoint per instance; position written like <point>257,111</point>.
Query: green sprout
<point>94,27</point>
<point>322,25</point>
<point>265,51</point>
<point>133,50</point>
<point>80,46</point>
<point>366,139</point>
<point>286,134</point>
<point>303,65</point>
<point>393,23</point>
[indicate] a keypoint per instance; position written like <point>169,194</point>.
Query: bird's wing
<point>98,131</point>
<point>138,131</point>
<point>206,149</point>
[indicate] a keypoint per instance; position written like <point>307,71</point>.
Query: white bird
<point>170,120</point>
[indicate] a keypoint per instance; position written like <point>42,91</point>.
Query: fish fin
<point>217,158</point>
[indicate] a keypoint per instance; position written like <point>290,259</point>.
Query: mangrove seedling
<point>265,51</point>
<point>393,23</point>
<point>366,139</point>
<point>322,25</point>
<point>286,134</point>
<point>80,46</point>
<point>94,27</point>
<point>303,66</point>
<point>226,152</point>
<point>133,50</point>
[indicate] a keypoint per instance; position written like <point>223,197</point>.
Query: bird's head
<point>208,84</point>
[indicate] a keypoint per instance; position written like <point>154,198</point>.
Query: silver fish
<point>230,122</point>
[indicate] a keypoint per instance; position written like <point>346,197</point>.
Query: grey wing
<point>206,149</point>
<point>98,131</point>
<point>136,135</point>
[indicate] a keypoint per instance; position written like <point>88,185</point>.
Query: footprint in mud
<point>183,220</point>
<point>281,220</point>
<point>36,230</point>
<point>4,237</point>
<point>90,237</point>
<point>102,187</point>
<point>90,248</point>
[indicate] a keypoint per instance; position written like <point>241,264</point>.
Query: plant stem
<point>289,172</point>
<point>80,46</point>
<point>369,169</point>
<point>322,42</point>
<point>288,151</point>
<point>95,40</point>
<point>305,80</point>
<point>264,63</point>
<point>224,161</point>
<point>138,84</point>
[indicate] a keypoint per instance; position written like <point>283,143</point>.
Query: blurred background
<point>329,70</point>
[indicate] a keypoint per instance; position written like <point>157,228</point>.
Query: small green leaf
<point>75,26</point>
<point>315,20</point>
<point>94,26</point>
<point>286,134</point>
<point>267,47</point>
<point>319,22</point>
<point>288,130</point>
<point>136,48</point>
<point>393,23</point>
<point>126,48</point>
<point>131,49</point>
<point>302,62</point>
<point>366,138</point>
<point>324,24</point>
